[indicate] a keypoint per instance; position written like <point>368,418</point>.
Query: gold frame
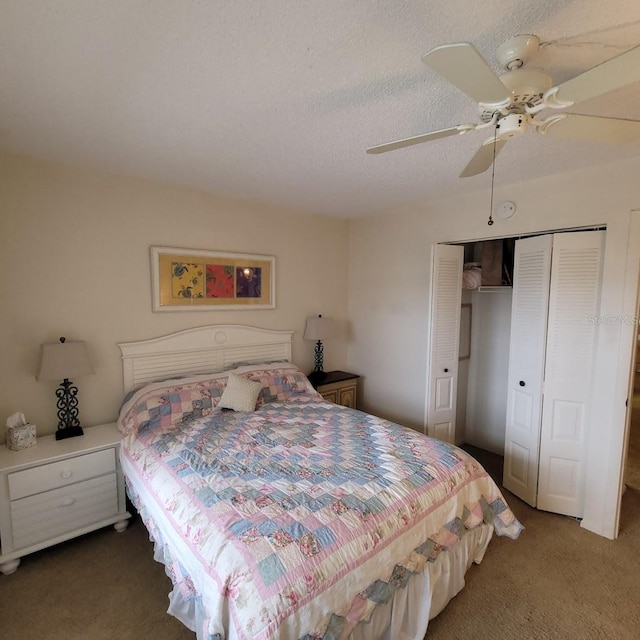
<point>201,280</point>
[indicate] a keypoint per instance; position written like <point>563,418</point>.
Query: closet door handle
<point>446,370</point>
<point>521,383</point>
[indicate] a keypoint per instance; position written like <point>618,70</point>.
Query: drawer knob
<point>67,502</point>
<point>67,474</point>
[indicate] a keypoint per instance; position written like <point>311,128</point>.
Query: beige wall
<point>75,263</point>
<point>390,270</point>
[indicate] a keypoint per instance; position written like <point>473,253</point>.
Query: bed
<point>280,515</point>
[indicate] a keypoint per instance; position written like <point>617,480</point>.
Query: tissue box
<point>21,437</point>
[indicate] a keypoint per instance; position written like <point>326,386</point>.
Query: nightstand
<point>59,489</point>
<point>340,387</point>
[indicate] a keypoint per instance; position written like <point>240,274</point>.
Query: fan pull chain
<point>493,174</point>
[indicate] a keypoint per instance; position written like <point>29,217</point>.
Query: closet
<point>551,336</point>
<point>486,324</point>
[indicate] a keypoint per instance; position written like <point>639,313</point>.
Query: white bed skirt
<point>406,616</point>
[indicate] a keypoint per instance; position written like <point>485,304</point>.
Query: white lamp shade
<point>319,328</point>
<point>62,360</point>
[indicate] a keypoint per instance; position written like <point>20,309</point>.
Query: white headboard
<point>201,350</point>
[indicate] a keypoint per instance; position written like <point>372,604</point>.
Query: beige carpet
<point>103,586</point>
<point>556,581</point>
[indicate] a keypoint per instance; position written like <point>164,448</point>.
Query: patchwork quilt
<point>297,519</point>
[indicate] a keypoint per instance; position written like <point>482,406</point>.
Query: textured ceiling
<point>277,100</point>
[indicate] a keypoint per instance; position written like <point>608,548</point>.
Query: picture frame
<point>464,350</point>
<point>202,280</point>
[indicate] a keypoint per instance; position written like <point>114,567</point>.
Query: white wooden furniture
<point>444,341</point>
<point>57,490</point>
<point>555,310</point>
<point>201,350</point>
<point>549,395</point>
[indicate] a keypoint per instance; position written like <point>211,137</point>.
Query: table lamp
<point>61,361</point>
<point>319,329</point>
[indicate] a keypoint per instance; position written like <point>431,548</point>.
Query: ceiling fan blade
<point>466,69</point>
<point>424,137</point>
<point>612,74</point>
<point>483,158</point>
<point>594,129</point>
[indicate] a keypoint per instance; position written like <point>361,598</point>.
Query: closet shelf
<point>493,289</point>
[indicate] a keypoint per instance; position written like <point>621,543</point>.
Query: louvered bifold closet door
<point>576,273</point>
<point>529,307</point>
<point>444,337</point>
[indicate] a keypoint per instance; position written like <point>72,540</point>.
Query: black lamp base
<point>68,432</point>
<point>68,423</point>
<point>317,376</point>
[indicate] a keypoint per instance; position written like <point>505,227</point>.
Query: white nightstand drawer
<point>58,474</point>
<point>53,513</point>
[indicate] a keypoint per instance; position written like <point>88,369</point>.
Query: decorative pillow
<point>240,394</point>
<point>163,404</point>
<point>280,386</point>
<point>281,381</point>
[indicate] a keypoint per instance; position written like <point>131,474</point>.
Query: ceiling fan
<point>509,103</point>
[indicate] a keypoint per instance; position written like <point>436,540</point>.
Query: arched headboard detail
<point>201,350</point>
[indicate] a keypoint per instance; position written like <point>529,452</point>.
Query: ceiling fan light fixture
<point>509,102</point>
<point>526,85</point>
<point>509,126</point>
<point>527,89</point>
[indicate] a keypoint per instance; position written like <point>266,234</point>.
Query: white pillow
<point>240,394</point>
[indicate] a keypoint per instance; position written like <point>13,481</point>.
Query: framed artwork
<point>464,352</point>
<point>194,279</point>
